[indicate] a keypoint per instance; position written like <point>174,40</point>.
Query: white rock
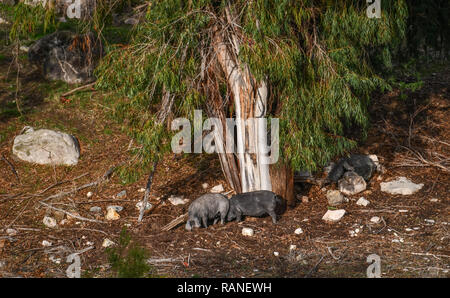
<point>430,221</point>
<point>46,243</point>
<point>401,186</point>
<point>298,231</point>
<point>402,210</point>
<point>434,200</point>
<point>11,232</point>
<point>334,197</point>
<point>351,184</point>
<point>141,189</point>
<point>217,189</point>
<point>292,247</point>
<point>205,185</point>
<point>362,202</point>
<point>247,232</point>
<point>49,222</point>
<point>177,200</point>
<point>45,146</point>
<point>276,253</point>
<point>107,243</point>
<point>147,206</point>
<point>333,215</point>
<point>89,194</point>
<point>112,214</point>
<point>375,219</point>
<point>408,230</point>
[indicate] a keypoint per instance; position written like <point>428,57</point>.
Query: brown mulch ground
<point>408,245</point>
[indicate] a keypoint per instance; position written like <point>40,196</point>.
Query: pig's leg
<point>238,216</point>
<point>273,215</point>
<point>205,221</point>
<point>215,220</point>
<point>222,218</point>
<point>197,223</point>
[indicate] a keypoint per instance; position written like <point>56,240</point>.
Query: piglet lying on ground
<point>209,206</point>
<point>255,203</point>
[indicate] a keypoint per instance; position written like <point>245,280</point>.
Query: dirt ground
<point>409,133</point>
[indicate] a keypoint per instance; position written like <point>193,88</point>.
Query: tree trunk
<point>250,163</point>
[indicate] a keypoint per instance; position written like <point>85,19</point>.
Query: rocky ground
<point>409,134</point>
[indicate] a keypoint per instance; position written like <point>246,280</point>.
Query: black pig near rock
<point>255,203</point>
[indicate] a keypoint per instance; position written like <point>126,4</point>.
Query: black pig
<point>255,203</point>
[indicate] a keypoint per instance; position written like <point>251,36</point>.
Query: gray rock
<point>121,194</point>
<point>95,209</point>
<point>115,207</point>
<point>352,184</point>
<point>400,186</point>
<point>362,202</point>
<point>66,56</point>
<point>335,197</point>
<point>177,200</point>
<point>148,206</point>
<point>45,146</point>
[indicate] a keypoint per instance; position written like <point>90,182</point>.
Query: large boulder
<point>44,146</point>
<point>67,56</point>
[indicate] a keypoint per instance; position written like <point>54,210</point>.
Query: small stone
<point>59,215</point>
<point>408,230</point>
<point>148,206</point>
<point>400,186</point>
<point>115,207</point>
<point>141,189</point>
<point>112,215</point>
<point>11,232</point>
<point>24,49</point>
<point>276,253</point>
<point>95,209</point>
<point>107,243</point>
<point>351,184</point>
<point>298,231</point>
<point>305,199</point>
<point>375,219</point>
<point>177,200</point>
<point>89,194</point>
<point>247,232</point>
<point>402,210</point>
<point>3,21</point>
<point>362,202</point>
<point>430,221</point>
<point>205,185</point>
<point>131,21</point>
<point>292,247</point>
<point>46,243</point>
<point>121,194</point>
<point>434,200</point>
<point>333,215</point>
<point>335,197</point>
<point>55,260</point>
<point>217,189</point>
<point>49,222</point>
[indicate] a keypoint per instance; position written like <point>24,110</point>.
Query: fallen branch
<point>11,167</point>
<point>97,182</point>
<point>147,191</point>
<point>175,222</point>
<point>70,214</point>
<point>77,89</point>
